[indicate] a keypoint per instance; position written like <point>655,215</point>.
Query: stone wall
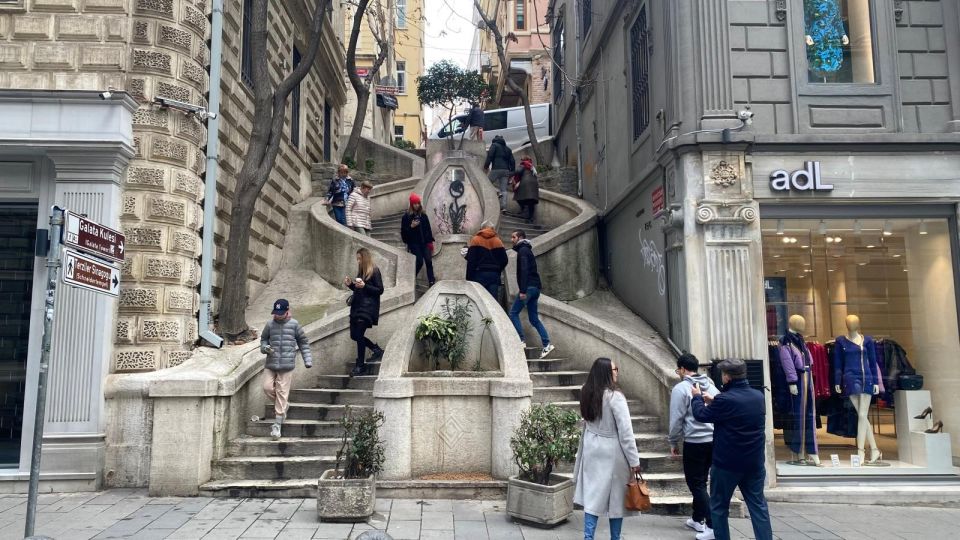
<point>924,72</point>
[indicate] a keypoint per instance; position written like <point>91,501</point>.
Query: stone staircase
<point>557,380</point>
<point>257,466</point>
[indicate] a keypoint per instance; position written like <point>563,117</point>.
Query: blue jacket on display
<point>855,367</point>
<point>738,415</point>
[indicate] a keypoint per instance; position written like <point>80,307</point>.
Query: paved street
<point>132,514</point>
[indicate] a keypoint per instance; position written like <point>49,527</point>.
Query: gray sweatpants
<point>500,178</point>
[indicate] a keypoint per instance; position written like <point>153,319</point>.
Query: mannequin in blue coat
<point>858,380</point>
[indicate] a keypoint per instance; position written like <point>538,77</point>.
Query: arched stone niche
<point>453,421</point>
<point>458,197</point>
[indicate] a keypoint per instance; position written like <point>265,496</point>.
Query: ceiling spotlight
<point>923,227</point>
<point>896,255</point>
<point>887,228</point>
<point>779,227</point>
<point>831,270</point>
<point>871,242</point>
<point>837,239</point>
<point>804,246</point>
<point>829,239</point>
<point>857,227</point>
<point>822,229</point>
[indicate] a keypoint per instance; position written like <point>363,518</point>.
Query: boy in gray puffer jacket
<point>697,438</point>
<point>280,340</point>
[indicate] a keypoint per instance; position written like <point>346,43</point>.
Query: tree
<point>269,112</point>
<point>491,24</point>
<point>360,86</point>
<point>448,85</point>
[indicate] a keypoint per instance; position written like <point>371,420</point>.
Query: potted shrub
<point>547,436</point>
<point>350,494</point>
<point>445,337</point>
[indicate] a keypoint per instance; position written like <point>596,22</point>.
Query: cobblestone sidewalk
<point>132,514</point>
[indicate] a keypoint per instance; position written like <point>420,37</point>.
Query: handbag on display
<point>638,494</point>
<point>913,381</point>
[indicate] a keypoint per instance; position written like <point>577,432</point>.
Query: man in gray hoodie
<point>697,438</point>
<point>280,340</point>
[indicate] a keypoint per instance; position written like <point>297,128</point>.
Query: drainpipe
<point>212,170</point>
<point>576,95</point>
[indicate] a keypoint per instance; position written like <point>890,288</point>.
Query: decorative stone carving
<point>162,7</point>
<point>151,118</point>
<point>196,19</point>
<point>173,91</point>
<point>190,333</point>
<point>136,361</point>
<point>147,177</point>
<point>137,146</point>
<point>898,10</point>
<point>724,174</point>
<point>153,331</point>
<point>141,32</point>
<point>137,299</point>
<point>164,148</point>
<point>175,358</point>
<point>185,242</point>
<point>129,207</point>
<point>193,275</point>
<point>127,268</point>
<point>138,89</point>
<point>180,300</point>
<point>166,210</point>
<point>163,270</point>
<point>199,162</point>
<point>193,73</point>
<point>713,211</point>
<point>187,185</point>
<point>451,431</point>
<point>124,331</point>
<point>188,127</point>
<point>152,61</point>
<point>176,38</point>
<point>781,7</point>
<point>145,238</point>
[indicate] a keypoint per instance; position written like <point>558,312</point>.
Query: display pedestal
<point>930,450</point>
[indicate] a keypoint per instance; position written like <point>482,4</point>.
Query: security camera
<point>197,111</point>
<point>106,95</point>
<point>745,116</point>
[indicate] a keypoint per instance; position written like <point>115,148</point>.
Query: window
<point>558,43</point>
<point>586,14</point>
<point>839,41</point>
<point>397,133</point>
<point>640,61</point>
<point>401,77</point>
<point>401,14</point>
<point>495,120</point>
<point>295,105</point>
<point>520,22</point>
<point>246,55</point>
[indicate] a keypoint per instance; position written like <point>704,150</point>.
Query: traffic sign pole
<point>53,269</point>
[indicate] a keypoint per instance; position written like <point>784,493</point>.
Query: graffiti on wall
<point>652,260</point>
<point>454,204</point>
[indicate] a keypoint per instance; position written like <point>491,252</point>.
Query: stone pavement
<point>132,514</point>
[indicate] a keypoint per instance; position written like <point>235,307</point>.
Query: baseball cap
<point>280,306</point>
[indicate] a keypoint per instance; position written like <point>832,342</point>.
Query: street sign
<point>392,90</point>
<point>87,272</point>
<point>93,238</point>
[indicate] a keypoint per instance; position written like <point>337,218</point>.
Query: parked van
<point>509,123</point>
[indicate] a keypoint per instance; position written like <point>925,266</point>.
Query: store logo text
<point>806,179</point>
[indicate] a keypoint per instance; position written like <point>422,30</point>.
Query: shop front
<point>859,287</point>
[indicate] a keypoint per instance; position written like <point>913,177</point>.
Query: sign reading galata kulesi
<point>806,179</point>
<point>93,238</point>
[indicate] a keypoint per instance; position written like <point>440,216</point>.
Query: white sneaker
<point>547,350</point>
<point>707,534</point>
<point>696,525</point>
<point>275,432</point>
<point>523,347</point>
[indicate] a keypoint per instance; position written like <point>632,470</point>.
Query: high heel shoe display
<point>926,412</point>
<point>937,427</point>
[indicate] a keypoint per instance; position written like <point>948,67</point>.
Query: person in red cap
<point>416,233</point>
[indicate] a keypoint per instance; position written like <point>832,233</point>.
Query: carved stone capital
<point>781,7</point>
<point>726,212</point>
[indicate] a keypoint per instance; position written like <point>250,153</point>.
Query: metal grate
<point>640,59</point>
<point>295,105</point>
<point>246,55</point>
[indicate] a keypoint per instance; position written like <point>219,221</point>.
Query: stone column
<point>951,17</point>
<point>715,77</point>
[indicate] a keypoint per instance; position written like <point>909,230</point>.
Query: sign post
<point>53,269</point>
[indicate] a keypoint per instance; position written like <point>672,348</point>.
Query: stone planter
<point>540,504</point>
<point>345,500</point>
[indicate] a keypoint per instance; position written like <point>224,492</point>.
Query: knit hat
<point>414,198</point>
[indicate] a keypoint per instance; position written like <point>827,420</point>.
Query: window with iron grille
<point>295,105</point>
<point>246,55</point>
<point>640,60</point>
<point>586,14</point>
<point>521,21</point>
<point>558,43</point>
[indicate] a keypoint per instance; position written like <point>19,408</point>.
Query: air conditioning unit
<point>486,63</point>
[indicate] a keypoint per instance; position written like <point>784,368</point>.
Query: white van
<point>508,123</point>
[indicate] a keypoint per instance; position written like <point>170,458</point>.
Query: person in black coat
<point>486,258</point>
<point>477,122</point>
<point>416,233</point>
<point>738,415</point>
<point>364,307</point>
<point>529,285</point>
<point>501,163</point>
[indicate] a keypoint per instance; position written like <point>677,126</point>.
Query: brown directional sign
<point>80,270</point>
<point>92,237</point>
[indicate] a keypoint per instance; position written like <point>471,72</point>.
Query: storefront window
<point>839,41</point>
<point>876,293</point>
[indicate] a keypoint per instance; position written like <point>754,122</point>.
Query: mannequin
<point>801,431</point>
<point>857,377</point>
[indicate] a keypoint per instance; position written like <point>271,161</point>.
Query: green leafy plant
<point>368,165</point>
<point>487,321</point>
<point>361,449</point>
<point>444,336</point>
<point>434,332</point>
<point>448,85</point>
<point>547,435</point>
<point>350,162</point>
<point>404,144</point>
<point>459,314</point>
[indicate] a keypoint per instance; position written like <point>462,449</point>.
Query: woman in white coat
<point>608,451</point>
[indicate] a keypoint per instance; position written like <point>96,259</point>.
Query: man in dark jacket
<point>501,164</point>
<point>477,122</point>
<point>738,415</point>
<point>528,282</point>
<point>486,258</point>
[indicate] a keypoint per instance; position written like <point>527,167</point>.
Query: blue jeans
<point>490,281</point>
<point>533,294</point>
<point>340,214</point>
<point>722,484</point>
<point>590,526</point>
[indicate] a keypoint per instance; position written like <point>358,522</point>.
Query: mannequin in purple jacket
<point>800,433</point>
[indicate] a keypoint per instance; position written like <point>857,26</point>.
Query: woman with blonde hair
<point>364,308</point>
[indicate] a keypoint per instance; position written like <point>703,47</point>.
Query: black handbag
<point>913,381</point>
<point>350,299</point>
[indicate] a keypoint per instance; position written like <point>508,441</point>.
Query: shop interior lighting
<point>822,229</point>
<point>779,227</point>
<point>829,240</point>
<point>857,227</point>
<point>923,227</point>
<point>804,246</point>
<point>871,242</point>
<point>887,228</point>
<point>837,239</point>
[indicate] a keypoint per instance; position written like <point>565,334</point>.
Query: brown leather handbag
<point>638,494</point>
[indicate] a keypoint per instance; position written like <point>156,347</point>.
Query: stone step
<point>373,368</point>
<point>511,224</point>
<point>550,394</point>
<point>286,446</point>
<point>558,378</point>
<point>342,396</point>
<point>318,411</point>
<point>654,462</point>
<point>536,365</point>
<point>271,467</point>
<point>362,382</point>
<point>533,353</point>
<point>299,488</point>
<point>296,428</point>
<point>306,488</point>
<point>661,484</point>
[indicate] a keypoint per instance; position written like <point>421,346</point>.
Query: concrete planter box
<point>540,504</point>
<point>345,500</point>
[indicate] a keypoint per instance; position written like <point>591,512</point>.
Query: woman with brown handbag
<point>608,456</point>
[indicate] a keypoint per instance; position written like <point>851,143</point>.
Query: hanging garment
<point>799,431</point>
<point>821,370</point>
<point>778,388</point>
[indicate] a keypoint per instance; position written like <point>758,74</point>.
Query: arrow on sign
<point>115,282</point>
<point>121,247</point>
